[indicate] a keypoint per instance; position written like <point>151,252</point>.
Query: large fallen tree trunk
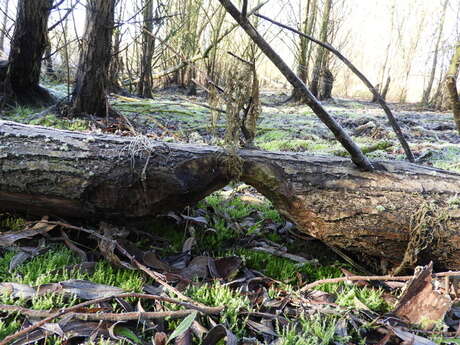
<point>399,210</point>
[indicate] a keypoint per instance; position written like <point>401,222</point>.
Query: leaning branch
<point>357,155</point>
<point>363,78</point>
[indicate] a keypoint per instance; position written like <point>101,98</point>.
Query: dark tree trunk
<point>69,174</point>
<point>90,93</point>
<point>116,65</point>
<point>27,48</point>
<point>326,84</point>
<point>145,86</point>
<point>50,72</point>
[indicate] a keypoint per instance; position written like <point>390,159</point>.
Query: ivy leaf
<point>183,326</point>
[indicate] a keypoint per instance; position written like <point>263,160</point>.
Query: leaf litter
<point>207,292</point>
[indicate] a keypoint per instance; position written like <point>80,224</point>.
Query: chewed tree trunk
<point>402,212</point>
<point>90,93</point>
<point>27,48</point>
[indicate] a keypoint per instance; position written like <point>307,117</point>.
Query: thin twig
<point>374,278</point>
<point>113,317</point>
<point>76,308</point>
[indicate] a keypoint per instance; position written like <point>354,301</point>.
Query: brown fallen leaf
<point>218,333</point>
<point>420,303</point>
<point>9,238</point>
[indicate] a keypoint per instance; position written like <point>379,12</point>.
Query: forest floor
<point>232,250</point>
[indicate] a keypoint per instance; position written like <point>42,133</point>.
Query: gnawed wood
<point>400,210</point>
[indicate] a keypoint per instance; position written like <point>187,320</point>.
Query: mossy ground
<point>52,266</point>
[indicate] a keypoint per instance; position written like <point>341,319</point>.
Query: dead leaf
<point>218,333</point>
<point>410,338</point>
<point>421,303</point>
<point>87,290</point>
<point>9,238</point>
<point>17,290</point>
<point>228,267</point>
<point>197,220</point>
<point>197,269</point>
<point>151,259</point>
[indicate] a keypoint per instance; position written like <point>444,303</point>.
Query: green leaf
<point>127,333</point>
<point>183,326</point>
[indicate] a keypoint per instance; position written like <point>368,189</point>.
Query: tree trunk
<point>3,28</point>
<point>305,49</point>
<point>451,85</point>
<point>145,86</point>
<point>319,68</point>
<point>116,65</point>
<point>68,174</point>
<point>27,47</point>
<point>427,91</point>
<point>90,93</point>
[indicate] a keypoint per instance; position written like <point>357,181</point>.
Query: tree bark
<point>440,29</point>
<point>68,174</point>
<point>27,48</point>
<point>145,86</point>
<point>320,67</point>
<point>3,28</point>
<point>90,93</point>
<point>451,85</point>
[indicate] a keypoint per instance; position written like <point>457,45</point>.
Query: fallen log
<point>401,212</point>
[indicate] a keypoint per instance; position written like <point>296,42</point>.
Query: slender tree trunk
<point>321,54</point>
<point>451,85</point>
<point>27,48</point>
<point>145,85</point>
<point>427,91</point>
<point>90,93</point>
<point>3,29</point>
<point>116,64</point>
<point>305,48</point>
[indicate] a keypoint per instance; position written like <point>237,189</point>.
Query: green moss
<point>220,295</point>
<point>8,326</point>
<point>40,269</point>
<point>123,278</point>
<point>312,330</point>
<point>11,223</point>
<point>52,121</point>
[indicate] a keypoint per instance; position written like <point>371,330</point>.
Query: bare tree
<point>451,85</point>
<point>90,93</point>
<point>320,70</point>
<point>28,45</point>
<point>3,27</point>
<point>305,48</point>
<point>440,29</point>
<point>144,87</point>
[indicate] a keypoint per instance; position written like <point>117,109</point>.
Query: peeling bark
<point>92,176</point>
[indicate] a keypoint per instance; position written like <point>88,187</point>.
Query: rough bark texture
<point>451,85</point>
<point>27,47</point>
<point>320,63</point>
<point>145,86</point>
<point>89,96</point>
<point>69,174</point>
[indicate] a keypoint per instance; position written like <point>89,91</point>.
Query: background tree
<point>25,59</point>
<point>145,85</point>
<point>90,92</point>
<point>451,85</point>
<point>439,31</point>
<point>305,48</point>
<point>320,69</point>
